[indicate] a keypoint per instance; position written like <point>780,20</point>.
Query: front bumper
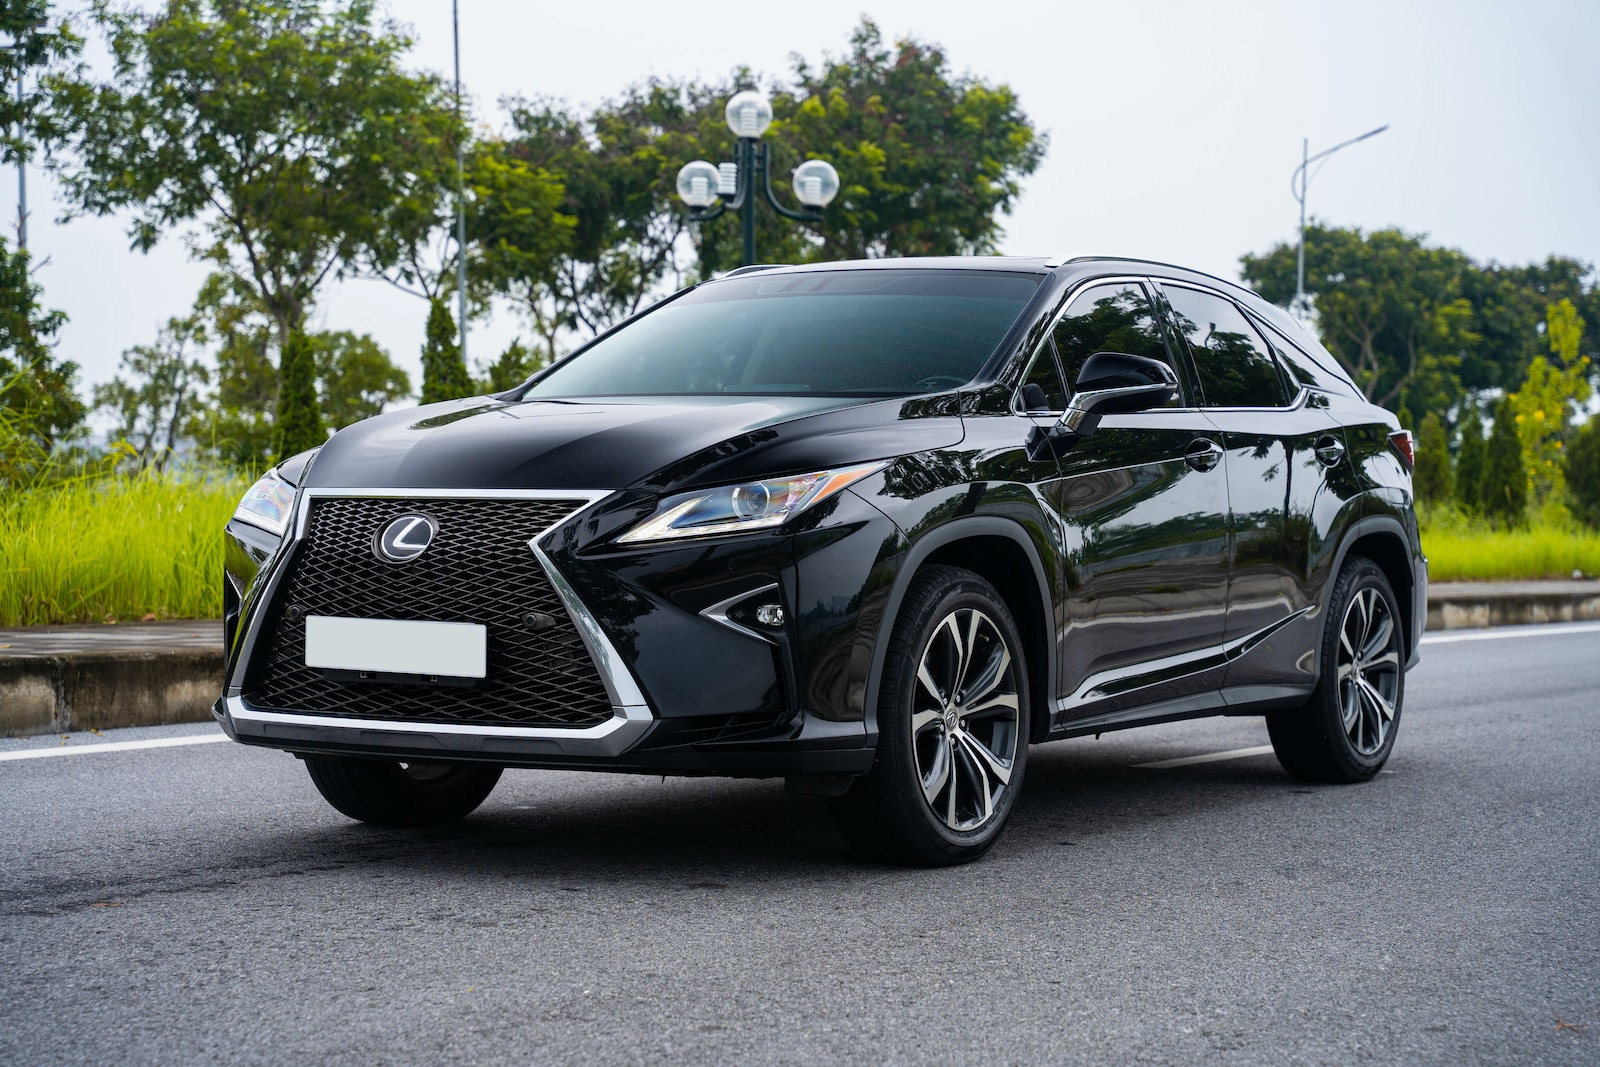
<point>694,688</point>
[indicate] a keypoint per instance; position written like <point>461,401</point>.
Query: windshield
<point>844,333</point>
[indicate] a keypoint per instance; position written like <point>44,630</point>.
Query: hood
<point>655,444</point>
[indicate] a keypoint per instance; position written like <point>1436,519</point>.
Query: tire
<point>1346,730</point>
<point>401,794</point>
<point>947,770</point>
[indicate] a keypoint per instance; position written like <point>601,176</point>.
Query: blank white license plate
<point>391,646</point>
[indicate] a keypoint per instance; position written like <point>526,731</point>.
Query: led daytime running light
<point>745,507</point>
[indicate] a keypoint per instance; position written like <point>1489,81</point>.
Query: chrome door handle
<point>1330,450</point>
<point>1202,454</point>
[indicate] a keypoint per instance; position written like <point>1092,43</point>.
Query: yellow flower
<point>1539,415</point>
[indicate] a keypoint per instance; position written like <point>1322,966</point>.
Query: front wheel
<point>952,728</point>
<point>401,794</point>
<point>1346,731</point>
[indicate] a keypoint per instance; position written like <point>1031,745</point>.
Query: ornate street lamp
<point>710,190</point>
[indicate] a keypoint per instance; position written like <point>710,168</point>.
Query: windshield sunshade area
<point>844,332</point>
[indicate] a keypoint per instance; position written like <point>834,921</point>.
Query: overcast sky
<point>1174,129</point>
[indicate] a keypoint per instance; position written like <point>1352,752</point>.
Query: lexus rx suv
<point>873,527</point>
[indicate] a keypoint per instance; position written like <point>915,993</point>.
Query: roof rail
<point>751,268</point>
<point>1056,261</point>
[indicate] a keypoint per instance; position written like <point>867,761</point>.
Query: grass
<point>1465,549</point>
<point>116,548</point>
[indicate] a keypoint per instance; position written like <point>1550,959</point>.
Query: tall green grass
<point>1552,545</point>
<point>118,548</point>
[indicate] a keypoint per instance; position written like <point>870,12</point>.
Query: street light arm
<point>1325,153</point>
<point>766,168</point>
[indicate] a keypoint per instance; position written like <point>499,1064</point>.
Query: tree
<point>444,371</point>
<point>356,377</point>
<point>1470,460</point>
<point>286,131</point>
<point>26,116</point>
<point>32,380</point>
<point>513,367</point>
<point>1553,392</point>
<point>234,423</point>
<point>156,395</point>
<point>1388,307</point>
<point>1505,479</point>
<point>1432,475</point>
<point>1582,464</point>
<point>298,421</point>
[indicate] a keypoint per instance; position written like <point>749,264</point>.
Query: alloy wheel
<point>964,719</point>
<point>1368,670</point>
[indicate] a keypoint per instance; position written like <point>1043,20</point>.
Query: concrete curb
<point>100,690</point>
<point>56,679</point>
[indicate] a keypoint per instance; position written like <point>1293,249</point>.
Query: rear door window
<point>1235,366</point>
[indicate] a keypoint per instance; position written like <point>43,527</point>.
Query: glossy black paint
<point>1172,562</point>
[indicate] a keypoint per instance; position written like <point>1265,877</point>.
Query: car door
<point>1144,509</point>
<point>1278,443</point>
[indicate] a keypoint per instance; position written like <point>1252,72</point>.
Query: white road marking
<point>1519,631</point>
<point>1209,757</point>
<point>114,746</point>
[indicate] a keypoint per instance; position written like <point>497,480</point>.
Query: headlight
<point>742,508</point>
<point>267,503</point>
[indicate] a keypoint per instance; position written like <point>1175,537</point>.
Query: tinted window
<point>1108,318</point>
<point>1235,366</point>
<point>1047,376</point>
<point>1303,366</point>
<point>867,332</point>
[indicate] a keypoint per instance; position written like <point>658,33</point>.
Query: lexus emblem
<point>406,538</point>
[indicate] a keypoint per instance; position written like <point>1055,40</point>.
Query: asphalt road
<point>200,904</point>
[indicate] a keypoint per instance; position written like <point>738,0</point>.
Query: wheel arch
<point>1002,553</point>
<point>1382,539</point>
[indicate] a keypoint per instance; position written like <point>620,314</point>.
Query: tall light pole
<point>461,198</point>
<point>1297,184</point>
<point>16,47</point>
<point>735,185</point>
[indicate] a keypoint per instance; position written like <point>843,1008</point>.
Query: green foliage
<point>33,47</point>
<point>1461,548</point>
<point>513,368</point>
<point>286,130</point>
<point>298,420</point>
<point>157,392</point>
<point>1582,468</point>
<point>1550,396</point>
<point>1470,460</point>
<point>1432,476</point>
<point>36,390</point>
<point>1505,479</point>
<point>444,371</point>
<point>1388,307</point>
<point>928,161</point>
<point>356,377</point>
<point>68,557</point>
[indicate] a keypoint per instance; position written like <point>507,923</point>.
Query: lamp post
<point>461,202</point>
<point>17,47</point>
<point>735,185</point>
<point>1297,184</point>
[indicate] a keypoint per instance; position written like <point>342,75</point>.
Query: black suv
<point>872,527</point>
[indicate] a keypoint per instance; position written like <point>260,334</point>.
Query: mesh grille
<point>478,569</point>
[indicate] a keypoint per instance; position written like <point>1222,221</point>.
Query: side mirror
<point>1116,383</point>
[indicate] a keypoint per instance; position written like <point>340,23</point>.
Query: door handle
<point>1330,450</point>
<point>1202,454</point>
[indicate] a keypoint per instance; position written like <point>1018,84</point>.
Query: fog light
<point>770,615</point>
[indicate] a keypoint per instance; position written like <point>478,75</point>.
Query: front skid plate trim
<point>610,738</point>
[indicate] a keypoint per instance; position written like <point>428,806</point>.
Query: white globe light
<point>697,184</point>
<point>816,183</point>
<point>749,114</point>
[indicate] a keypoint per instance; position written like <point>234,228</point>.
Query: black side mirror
<point>1116,383</point>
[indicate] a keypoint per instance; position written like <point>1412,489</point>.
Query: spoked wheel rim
<point>964,720</point>
<point>1368,671</point>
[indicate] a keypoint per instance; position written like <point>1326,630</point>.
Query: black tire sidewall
<point>1360,574</point>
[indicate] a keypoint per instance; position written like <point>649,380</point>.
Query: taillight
<point>1401,440</point>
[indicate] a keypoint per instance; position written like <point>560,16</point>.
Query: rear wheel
<point>1346,731</point>
<point>401,794</point>
<point>952,728</point>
